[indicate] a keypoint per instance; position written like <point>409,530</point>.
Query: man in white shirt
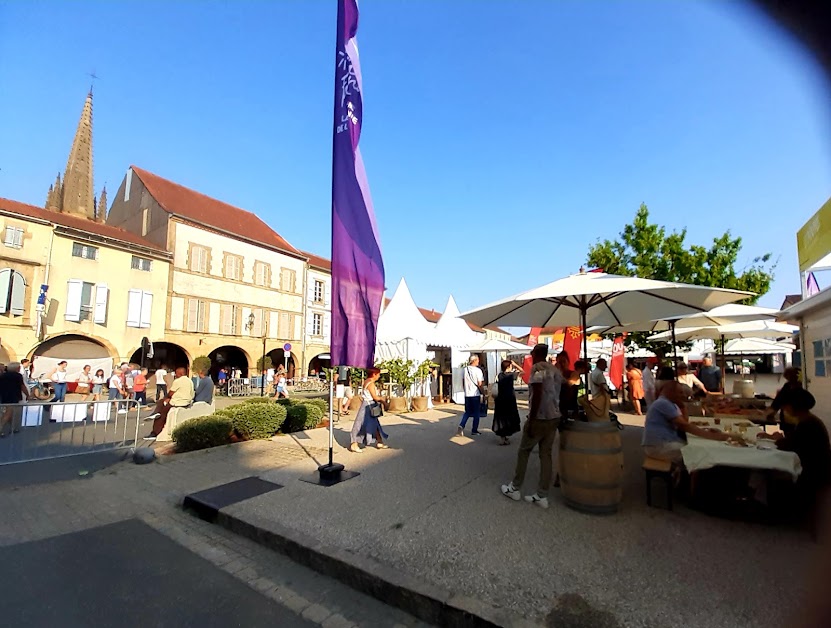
<point>474,384</point>
<point>161,384</point>
<point>540,429</point>
<point>597,380</point>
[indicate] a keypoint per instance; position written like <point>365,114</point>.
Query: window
<point>320,291</point>
<point>228,319</point>
<point>286,326</point>
<point>79,300</point>
<point>317,324</point>
<point>822,357</point>
<point>140,263</point>
<point>233,267</point>
<point>12,292</point>
<point>288,280</point>
<point>198,258</point>
<point>257,329</point>
<point>139,308</point>
<point>145,221</point>
<point>262,274</point>
<point>14,237</point>
<point>197,316</point>
<point>84,251</point>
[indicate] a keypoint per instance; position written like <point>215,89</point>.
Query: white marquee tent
<point>403,332</point>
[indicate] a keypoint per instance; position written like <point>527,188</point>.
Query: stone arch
<point>78,346</point>
<point>168,354</point>
<point>278,357</point>
<point>230,356</point>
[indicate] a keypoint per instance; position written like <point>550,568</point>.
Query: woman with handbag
<point>505,413</point>
<point>367,427</point>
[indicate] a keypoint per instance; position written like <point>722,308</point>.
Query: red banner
<point>527,363</point>
<point>534,336</point>
<point>616,366</point>
<point>572,339</point>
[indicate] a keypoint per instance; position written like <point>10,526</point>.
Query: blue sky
<point>500,138</point>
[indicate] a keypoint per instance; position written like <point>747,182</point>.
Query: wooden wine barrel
<point>591,466</point>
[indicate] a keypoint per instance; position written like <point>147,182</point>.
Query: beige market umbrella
<point>592,299</point>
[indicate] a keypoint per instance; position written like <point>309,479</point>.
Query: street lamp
<point>250,326</point>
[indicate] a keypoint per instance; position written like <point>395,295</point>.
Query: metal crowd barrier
<point>239,387</point>
<point>48,429</point>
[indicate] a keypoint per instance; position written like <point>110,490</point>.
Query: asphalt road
<point>126,574</point>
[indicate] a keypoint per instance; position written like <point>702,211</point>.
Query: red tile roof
<point>192,205</point>
<point>76,222</point>
<point>318,262</point>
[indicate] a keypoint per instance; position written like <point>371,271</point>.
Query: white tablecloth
<point>700,454</point>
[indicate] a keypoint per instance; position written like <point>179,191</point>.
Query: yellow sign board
<point>813,241</point>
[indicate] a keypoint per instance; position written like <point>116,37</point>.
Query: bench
<point>179,415</point>
<point>656,468</point>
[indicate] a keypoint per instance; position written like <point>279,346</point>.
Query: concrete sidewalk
<point>430,509</point>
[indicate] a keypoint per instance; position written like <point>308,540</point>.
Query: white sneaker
<point>542,502</point>
<point>122,411</point>
<point>508,490</point>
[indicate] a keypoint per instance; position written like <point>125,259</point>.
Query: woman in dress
<point>505,413</point>
<point>634,379</point>
<point>281,389</point>
<point>84,382</point>
<point>367,428</point>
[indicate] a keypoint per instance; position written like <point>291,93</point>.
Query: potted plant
<point>401,373</point>
<point>356,380</point>
<point>422,376</point>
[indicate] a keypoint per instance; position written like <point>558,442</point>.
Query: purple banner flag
<point>357,265</point>
<point>812,285</point>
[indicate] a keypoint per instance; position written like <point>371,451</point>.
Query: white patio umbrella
<point>722,315</point>
<point>749,329</point>
<point>497,344</point>
<point>601,300</point>
<point>757,346</point>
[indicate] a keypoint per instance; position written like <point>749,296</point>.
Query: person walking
<point>474,386</point>
<point>540,428</point>
<point>648,385</point>
<point>222,379</point>
<point>634,385</point>
<point>505,413</point>
<point>13,390</point>
<point>58,377</point>
<point>85,383</point>
<point>140,388</point>
<point>161,384</point>
<point>98,384</point>
<point>116,389</point>
<point>367,428</point>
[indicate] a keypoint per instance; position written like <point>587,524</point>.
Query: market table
<point>701,454</point>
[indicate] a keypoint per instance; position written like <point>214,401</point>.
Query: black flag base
<point>329,475</point>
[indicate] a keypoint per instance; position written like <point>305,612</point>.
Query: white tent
<point>453,332</point>
<point>502,346</point>
<point>403,332</point>
<point>757,346</point>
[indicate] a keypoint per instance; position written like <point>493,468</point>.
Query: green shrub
<point>302,417</point>
<point>203,432</point>
<point>259,400</point>
<point>289,402</point>
<point>255,420</point>
<point>323,404</point>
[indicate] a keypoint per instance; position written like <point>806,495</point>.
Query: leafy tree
<point>264,364</point>
<point>645,249</point>
<point>201,364</point>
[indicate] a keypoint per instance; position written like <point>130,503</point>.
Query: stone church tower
<point>75,194</point>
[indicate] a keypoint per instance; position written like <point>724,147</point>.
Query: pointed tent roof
<point>77,180</point>
<point>401,319</point>
<point>452,331</point>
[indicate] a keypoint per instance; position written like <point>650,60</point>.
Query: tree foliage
<point>645,249</point>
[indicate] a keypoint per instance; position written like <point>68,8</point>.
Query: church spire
<point>55,196</point>
<point>77,192</point>
<point>101,209</point>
